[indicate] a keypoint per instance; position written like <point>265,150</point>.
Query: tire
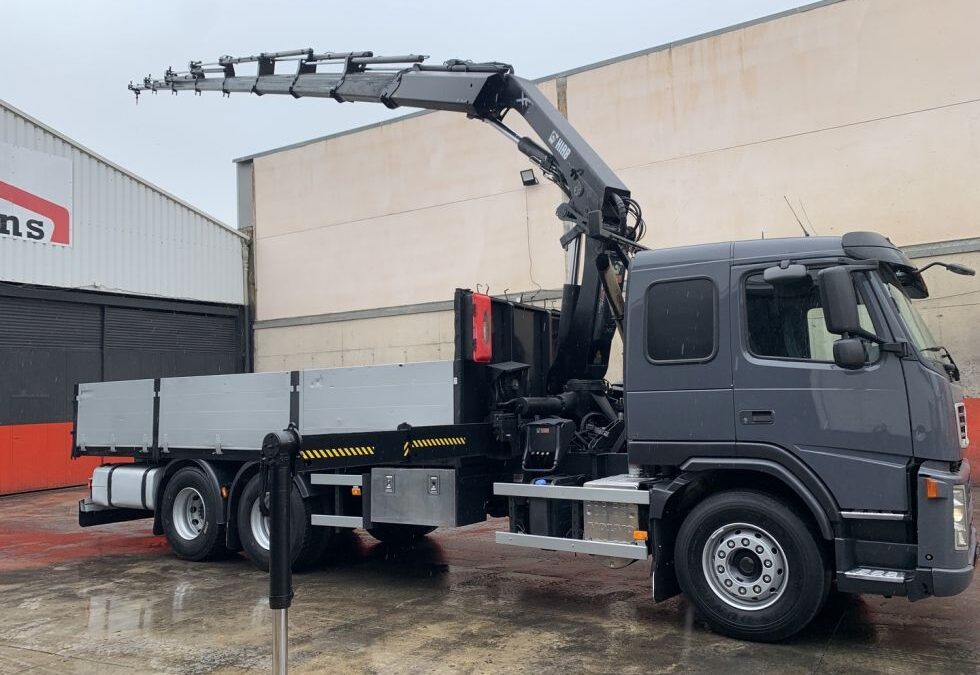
<point>189,516</point>
<point>399,535</point>
<point>727,580</point>
<point>308,542</point>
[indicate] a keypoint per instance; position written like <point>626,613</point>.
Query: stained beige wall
<point>867,111</point>
<point>952,311</point>
<point>363,342</point>
<point>427,336</point>
<point>399,214</point>
<point>864,114</point>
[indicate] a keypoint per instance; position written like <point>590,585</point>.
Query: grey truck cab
<point>800,369</point>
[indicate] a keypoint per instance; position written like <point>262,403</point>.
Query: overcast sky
<point>67,63</point>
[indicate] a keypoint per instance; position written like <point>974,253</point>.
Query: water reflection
<point>422,558</point>
<point>108,614</point>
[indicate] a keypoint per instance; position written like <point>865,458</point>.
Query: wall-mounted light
<point>528,177</point>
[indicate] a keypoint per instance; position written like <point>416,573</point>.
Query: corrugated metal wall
<point>53,339</point>
<point>127,236</point>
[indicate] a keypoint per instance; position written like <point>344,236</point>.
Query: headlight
<point>961,535</point>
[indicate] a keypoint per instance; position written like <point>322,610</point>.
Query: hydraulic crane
<point>753,431</point>
<point>604,224</point>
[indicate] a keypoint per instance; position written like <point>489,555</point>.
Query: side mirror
<point>839,300</point>
<point>780,275</point>
<point>849,353</point>
<point>955,268</point>
<point>963,270</point>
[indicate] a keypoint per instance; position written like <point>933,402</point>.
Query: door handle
<point>757,416</point>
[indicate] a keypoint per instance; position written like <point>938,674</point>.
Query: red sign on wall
<point>35,196</point>
<point>24,215</point>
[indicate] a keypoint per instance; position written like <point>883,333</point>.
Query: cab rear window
<point>682,320</point>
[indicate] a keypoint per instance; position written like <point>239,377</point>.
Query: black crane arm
<point>598,204</point>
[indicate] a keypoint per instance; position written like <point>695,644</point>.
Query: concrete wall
<point>359,342</point>
<point>435,201</point>
<point>863,114</point>
<point>952,311</point>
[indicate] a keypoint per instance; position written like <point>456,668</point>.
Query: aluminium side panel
<point>232,412</point>
<point>376,398</point>
<point>115,414</point>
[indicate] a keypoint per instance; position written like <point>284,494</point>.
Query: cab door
<point>850,427</point>
<point>678,373</point>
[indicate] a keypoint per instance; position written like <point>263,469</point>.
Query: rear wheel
<point>399,535</point>
<point>308,542</point>
<point>188,514</point>
<point>751,565</point>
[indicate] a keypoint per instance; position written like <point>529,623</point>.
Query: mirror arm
<point>900,348</point>
<point>861,333</point>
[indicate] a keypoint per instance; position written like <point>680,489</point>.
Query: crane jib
<point>598,206</point>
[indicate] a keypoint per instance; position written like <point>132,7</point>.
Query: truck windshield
<point>916,327</point>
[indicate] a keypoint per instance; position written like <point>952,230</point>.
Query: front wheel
<point>751,565</point>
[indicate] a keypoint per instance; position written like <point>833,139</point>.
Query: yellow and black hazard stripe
<point>337,453</point>
<point>442,441</point>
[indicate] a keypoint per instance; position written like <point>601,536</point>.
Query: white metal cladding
<point>371,398</point>
<point>127,235</point>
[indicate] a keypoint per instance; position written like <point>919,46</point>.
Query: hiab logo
<point>559,144</point>
<point>26,216</point>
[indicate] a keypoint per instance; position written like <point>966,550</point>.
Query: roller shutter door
<point>50,343</point>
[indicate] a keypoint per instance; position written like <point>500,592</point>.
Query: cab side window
<point>786,321</point>
<point>682,320</point>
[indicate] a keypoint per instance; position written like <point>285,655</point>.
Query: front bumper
<point>942,570</point>
<point>945,582</point>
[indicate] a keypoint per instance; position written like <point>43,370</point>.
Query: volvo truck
<point>786,422</point>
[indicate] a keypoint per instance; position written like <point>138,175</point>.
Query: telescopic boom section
<point>598,205</point>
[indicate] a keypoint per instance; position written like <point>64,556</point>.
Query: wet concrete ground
<point>112,600</point>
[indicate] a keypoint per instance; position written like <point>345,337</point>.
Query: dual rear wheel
<point>191,502</point>
<point>189,510</point>
<point>308,543</point>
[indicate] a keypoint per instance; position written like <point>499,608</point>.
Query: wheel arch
<point>703,476</point>
<point>766,475</point>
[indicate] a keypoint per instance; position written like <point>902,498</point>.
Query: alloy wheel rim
<point>745,566</point>
<point>259,525</point>
<point>189,513</point>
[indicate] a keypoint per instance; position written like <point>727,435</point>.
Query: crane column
<point>278,453</point>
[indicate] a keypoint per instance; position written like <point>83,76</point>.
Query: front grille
<point>961,421</point>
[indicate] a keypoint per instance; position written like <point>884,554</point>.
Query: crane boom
<point>597,206</point>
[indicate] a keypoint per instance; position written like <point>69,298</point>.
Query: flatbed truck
<point>785,422</point>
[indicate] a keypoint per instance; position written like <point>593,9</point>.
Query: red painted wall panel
<point>38,457</point>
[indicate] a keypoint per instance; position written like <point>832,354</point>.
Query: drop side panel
<point>377,398</point>
<point>222,411</point>
<point>115,414</point>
